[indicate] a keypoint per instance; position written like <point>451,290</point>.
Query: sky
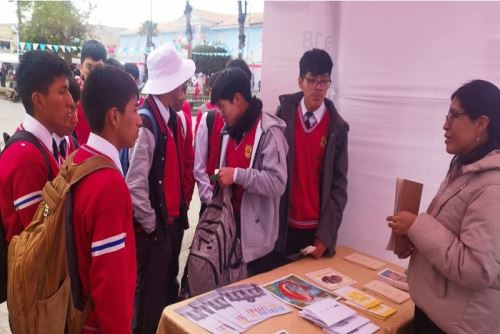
<point>130,13</point>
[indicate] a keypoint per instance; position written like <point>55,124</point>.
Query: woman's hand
<point>401,222</point>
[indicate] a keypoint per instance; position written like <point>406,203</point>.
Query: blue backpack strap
<point>151,125</point>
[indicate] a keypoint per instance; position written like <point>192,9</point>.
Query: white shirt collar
<point>58,139</point>
<point>163,110</point>
<point>30,124</point>
<point>318,113</point>
<point>105,147</point>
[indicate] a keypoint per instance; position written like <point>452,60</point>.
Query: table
<point>400,322</point>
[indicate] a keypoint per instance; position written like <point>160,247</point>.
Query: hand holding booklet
<point>408,196</point>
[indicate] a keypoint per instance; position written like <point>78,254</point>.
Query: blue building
<point>208,27</point>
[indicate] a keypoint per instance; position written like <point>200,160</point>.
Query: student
<point>311,208</point>
<point>102,208</point>
<point>160,179</point>
<point>207,148</point>
<point>93,55</point>
<point>133,70</point>
<point>64,142</point>
<point>253,165</point>
<point>24,168</point>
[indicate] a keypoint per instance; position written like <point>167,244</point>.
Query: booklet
<point>326,312</point>
<point>205,320</point>
<point>357,296</point>
<point>216,303</point>
<point>330,278</point>
<point>364,261</point>
<point>381,311</point>
<point>348,325</point>
<point>387,291</point>
<point>296,292</point>
<point>253,302</point>
<point>408,196</point>
<point>394,278</point>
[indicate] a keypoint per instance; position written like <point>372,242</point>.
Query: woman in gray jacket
<point>454,271</point>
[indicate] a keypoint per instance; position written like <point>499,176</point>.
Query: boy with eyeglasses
<point>311,208</point>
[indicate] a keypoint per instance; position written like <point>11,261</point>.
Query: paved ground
<point>11,114</point>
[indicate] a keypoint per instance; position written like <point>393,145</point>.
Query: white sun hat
<point>166,70</point>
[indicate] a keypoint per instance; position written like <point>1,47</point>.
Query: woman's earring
<point>477,139</point>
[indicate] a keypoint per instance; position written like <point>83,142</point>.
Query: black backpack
<point>22,135</point>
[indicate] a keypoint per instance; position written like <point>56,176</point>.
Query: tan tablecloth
<point>172,323</point>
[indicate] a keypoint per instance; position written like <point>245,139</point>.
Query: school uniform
<point>23,173</point>
<point>105,241</point>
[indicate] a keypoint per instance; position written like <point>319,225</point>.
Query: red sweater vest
<point>309,156</point>
<point>239,156</point>
<point>214,148</point>
<point>172,174</point>
<point>105,247</point>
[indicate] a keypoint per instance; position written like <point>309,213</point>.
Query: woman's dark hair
<point>93,49</point>
<point>105,88</point>
<point>36,72</point>
<point>316,61</point>
<point>228,82</point>
<point>479,98</point>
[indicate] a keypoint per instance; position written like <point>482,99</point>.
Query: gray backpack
<point>215,258</point>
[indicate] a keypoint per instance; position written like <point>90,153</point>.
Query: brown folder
<point>408,196</point>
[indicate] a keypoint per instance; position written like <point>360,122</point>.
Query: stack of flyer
<point>336,318</point>
<point>364,302</point>
<point>233,309</point>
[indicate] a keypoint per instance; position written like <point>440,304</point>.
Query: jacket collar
<point>104,147</point>
<point>490,161</point>
<point>30,124</point>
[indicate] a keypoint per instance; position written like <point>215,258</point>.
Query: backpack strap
<point>150,123</point>
<point>76,173</point>
<point>211,120</point>
<point>24,135</point>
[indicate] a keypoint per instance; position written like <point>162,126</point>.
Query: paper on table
<point>330,278</point>
<point>387,291</point>
<point>326,312</point>
<point>380,311</point>
<point>364,261</point>
<point>357,296</point>
<point>347,325</point>
<point>394,278</point>
<point>205,321</point>
<point>295,291</point>
<point>369,328</point>
<point>215,302</point>
<point>253,302</point>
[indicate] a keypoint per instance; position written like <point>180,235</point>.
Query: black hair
<point>212,78</point>
<point>316,61</point>
<point>478,98</point>
<point>74,89</point>
<point>115,63</point>
<point>132,69</point>
<point>36,72</point>
<point>242,65</point>
<point>105,88</point>
<point>229,82</point>
<point>93,49</point>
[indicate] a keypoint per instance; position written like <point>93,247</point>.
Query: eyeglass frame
<point>317,83</point>
<point>453,115</point>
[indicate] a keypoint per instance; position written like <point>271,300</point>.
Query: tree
<point>54,22</point>
<point>242,15</point>
<point>189,29</point>
<point>210,59</point>
<point>150,29</point>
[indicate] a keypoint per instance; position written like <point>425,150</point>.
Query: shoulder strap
<point>149,116</point>
<point>210,120</point>
<point>24,135</point>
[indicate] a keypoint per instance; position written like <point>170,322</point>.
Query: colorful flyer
<point>330,278</point>
<point>296,292</point>
<point>358,297</point>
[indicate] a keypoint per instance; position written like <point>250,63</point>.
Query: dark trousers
<point>157,269</point>
<point>422,324</point>
<point>297,239</point>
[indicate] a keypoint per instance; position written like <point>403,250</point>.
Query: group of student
<point>286,173</point>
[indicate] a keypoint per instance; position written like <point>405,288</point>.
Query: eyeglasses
<point>314,84</point>
<point>453,115</point>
